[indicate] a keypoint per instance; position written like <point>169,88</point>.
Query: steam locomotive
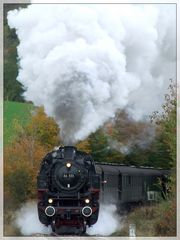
<point>68,191</point>
<point>71,185</point>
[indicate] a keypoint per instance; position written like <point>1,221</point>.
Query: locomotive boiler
<point>68,191</point>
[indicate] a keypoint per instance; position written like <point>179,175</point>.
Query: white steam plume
<point>84,62</point>
<point>27,220</point>
<point>108,221</point>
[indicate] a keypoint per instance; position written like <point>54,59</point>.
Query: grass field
<point>15,111</point>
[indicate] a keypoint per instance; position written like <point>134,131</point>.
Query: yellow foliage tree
<point>84,146</point>
<point>23,156</point>
<point>22,160</point>
<point>43,129</point>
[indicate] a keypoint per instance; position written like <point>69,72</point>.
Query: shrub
<point>166,225</point>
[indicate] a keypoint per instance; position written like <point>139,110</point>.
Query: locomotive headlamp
<point>87,200</point>
<point>50,200</point>
<point>68,165</point>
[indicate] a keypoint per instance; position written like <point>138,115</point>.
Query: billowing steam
<point>84,62</point>
<point>27,220</point>
<point>108,221</point>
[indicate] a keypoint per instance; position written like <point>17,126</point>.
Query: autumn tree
<point>84,145</point>
<point>43,129</point>
<point>101,149</point>
<point>165,123</point>
<point>23,156</point>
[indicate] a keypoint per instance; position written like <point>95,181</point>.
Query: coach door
<point>120,187</point>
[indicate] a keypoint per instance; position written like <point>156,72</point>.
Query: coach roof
<point>115,168</point>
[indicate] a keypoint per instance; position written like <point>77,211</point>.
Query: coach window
<point>135,179</point>
<point>125,181</point>
<point>129,180</point>
<point>132,181</point>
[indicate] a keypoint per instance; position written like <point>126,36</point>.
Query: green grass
<point>15,112</point>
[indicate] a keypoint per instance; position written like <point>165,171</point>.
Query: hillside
<point>15,112</point>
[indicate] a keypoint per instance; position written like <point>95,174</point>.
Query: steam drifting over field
<point>84,62</point>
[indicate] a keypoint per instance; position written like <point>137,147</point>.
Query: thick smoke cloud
<point>84,62</point>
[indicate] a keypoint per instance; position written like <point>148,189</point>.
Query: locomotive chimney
<point>69,152</point>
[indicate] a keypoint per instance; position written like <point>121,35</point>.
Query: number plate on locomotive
<point>68,175</point>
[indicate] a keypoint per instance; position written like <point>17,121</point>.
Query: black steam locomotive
<point>68,191</point>
<point>70,187</point>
